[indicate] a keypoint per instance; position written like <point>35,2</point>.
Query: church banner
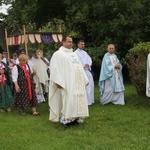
<point>47,38</point>
<point>35,37</point>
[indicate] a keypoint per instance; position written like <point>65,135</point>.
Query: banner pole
<point>25,40</point>
<point>7,48</point>
<point>41,45</point>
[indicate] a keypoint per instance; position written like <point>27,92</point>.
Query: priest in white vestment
<point>111,80</point>
<point>148,77</point>
<point>41,78</point>
<point>67,91</point>
<point>86,63</point>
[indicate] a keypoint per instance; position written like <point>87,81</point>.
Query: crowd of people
<point>23,82</point>
<point>66,78</point>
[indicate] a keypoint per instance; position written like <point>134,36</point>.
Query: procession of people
<point>23,82</point>
<point>65,82</point>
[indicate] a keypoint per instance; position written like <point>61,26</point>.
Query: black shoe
<point>75,122</point>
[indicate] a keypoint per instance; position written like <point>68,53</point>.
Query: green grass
<point>109,127</point>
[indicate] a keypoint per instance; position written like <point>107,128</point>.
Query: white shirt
<point>15,61</point>
<point>4,60</point>
<point>15,73</point>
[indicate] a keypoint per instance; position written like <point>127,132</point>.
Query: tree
<point>137,65</point>
<point>5,2</point>
<point>99,23</point>
<point>33,13</point>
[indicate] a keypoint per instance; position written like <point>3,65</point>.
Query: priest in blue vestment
<point>111,80</point>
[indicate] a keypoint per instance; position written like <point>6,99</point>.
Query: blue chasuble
<point>108,72</point>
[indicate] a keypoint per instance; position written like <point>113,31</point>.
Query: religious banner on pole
<point>32,38</point>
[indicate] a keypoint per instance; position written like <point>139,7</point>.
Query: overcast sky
<point>3,8</point>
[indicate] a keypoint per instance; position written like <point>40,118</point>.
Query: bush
<point>137,65</point>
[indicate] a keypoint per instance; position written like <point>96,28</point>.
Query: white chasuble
<point>79,84</point>
<point>67,71</point>
<point>41,69</point>
<point>148,77</point>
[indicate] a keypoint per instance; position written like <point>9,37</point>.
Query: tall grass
<point>109,127</point>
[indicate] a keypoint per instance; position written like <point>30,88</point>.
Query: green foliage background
<point>121,22</point>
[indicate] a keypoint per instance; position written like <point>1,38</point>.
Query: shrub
<point>137,65</point>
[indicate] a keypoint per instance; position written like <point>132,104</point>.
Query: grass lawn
<point>109,127</point>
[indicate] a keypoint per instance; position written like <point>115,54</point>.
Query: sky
<point>3,8</point>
